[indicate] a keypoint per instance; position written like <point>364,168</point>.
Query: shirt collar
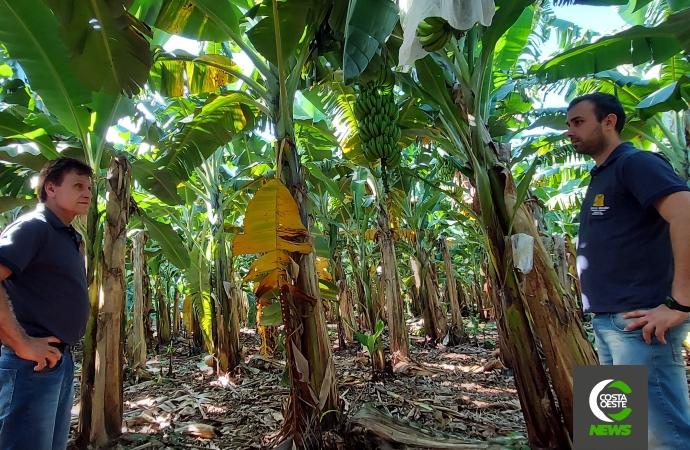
<point>50,216</point>
<point>55,221</point>
<point>618,151</point>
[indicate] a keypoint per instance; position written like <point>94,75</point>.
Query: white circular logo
<point>593,401</point>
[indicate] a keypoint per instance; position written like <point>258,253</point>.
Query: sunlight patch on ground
<point>478,388</point>
<point>456,356</point>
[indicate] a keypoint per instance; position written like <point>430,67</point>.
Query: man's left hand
<point>656,321</point>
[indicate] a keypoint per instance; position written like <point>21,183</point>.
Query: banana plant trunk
<point>344,300</point>
<point>177,319</point>
<point>453,297</point>
<point>138,343</point>
<point>433,318</point>
<point>545,430</point>
<point>93,280</point>
<point>227,312</point>
<point>106,398</point>
<point>435,305</point>
<point>148,304</point>
<point>554,315</point>
<point>162,313</point>
<point>307,333</point>
<point>359,292</point>
<point>390,280</point>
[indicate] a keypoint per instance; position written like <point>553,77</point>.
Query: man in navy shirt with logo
<point>43,275</point>
<point>634,261</point>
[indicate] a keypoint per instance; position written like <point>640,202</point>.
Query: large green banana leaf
<point>7,203</point>
<point>672,97</point>
<point>30,32</point>
<point>220,118</point>
<point>636,45</point>
<point>171,243</point>
<point>107,110</point>
<point>108,45</point>
<point>12,127</point>
<point>292,16</point>
<point>158,181</point>
<point>368,25</point>
<point>316,138</point>
<point>512,44</point>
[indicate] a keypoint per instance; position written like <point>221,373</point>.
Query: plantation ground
<point>461,390</point>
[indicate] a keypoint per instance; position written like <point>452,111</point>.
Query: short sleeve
<point>649,177</point>
<point>19,244</point>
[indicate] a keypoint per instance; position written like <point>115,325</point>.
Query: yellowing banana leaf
<point>188,19</point>
<point>199,284</point>
<point>270,282</point>
<point>188,313</point>
<point>205,73</point>
<point>322,269</point>
<point>370,235</point>
<point>272,223</point>
<point>406,235</point>
<point>267,263</point>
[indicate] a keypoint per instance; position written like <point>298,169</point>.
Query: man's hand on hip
<point>40,351</point>
<point>656,321</point>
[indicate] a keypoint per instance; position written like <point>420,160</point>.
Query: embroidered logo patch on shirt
<point>598,206</point>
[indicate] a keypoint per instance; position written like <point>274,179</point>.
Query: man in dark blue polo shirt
<point>634,262</point>
<point>43,275</point>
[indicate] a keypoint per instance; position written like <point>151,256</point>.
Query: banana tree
<point>278,52</point>
<point>463,118</point>
<point>46,44</point>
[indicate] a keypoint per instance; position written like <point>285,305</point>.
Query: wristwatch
<point>671,303</point>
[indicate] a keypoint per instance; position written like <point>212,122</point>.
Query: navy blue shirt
<point>624,252</point>
<point>47,287</point>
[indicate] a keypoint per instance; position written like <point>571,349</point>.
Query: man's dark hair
<point>54,171</point>
<point>604,104</point>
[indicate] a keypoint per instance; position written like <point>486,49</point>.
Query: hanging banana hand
<point>377,116</point>
<point>445,169</point>
<point>434,33</point>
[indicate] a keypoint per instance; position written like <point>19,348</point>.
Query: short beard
<point>593,145</point>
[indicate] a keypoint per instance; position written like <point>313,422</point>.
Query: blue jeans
<point>35,407</point>
<point>668,400</point>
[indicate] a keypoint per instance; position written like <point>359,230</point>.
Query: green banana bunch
<point>377,115</point>
<point>434,33</point>
<point>445,169</point>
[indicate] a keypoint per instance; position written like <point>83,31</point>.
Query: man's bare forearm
<point>680,241</point>
<point>11,333</point>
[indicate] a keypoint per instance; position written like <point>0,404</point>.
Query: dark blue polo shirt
<point>47,287</point>
<point>624,247</point>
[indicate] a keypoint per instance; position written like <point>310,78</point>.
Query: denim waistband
<point>62,347</point>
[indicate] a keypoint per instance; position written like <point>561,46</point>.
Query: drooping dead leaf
<point>326,386</point>
<point>301,363</point>
<point>322,267</point>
